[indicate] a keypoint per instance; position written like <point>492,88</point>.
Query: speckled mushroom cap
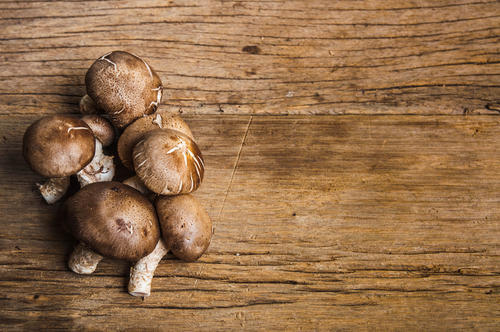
<point>113,219</point>
<point>58,145</point>
<point>136,130</point>
<point>168,162</point>
<point>185,226</point>
<point>102,128</point>
<point>123,86</point>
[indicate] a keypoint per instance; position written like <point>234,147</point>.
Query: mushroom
<point>168,162</point>
<point>137,184</point>
<point>136,130</point>
<point>87,106</point>
<point>54,189</point>
<point>101,168</point>
<point>186,231</point>
<point>102,128</point>
<point>109,219</point>
<point>56,147</point>
<point>124,87</point>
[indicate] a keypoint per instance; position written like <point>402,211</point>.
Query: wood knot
<point>251,49</point>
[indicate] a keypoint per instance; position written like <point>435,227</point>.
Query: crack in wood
<point>235,166</point>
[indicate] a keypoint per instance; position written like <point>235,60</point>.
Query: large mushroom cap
<point>168,162</point>
<point>123,86</point>
<point>113,219</point>
<point>185,225</point>
<point>58,145</point>
<point>136,130</point>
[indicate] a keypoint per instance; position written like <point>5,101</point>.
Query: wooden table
<point>352,151</point>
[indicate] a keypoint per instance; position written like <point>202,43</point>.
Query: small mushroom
<point>58,146</point>
<point>168,162</point>
<point>101,168</point>
<point>137,184</point>
<point>186,231</point>
<point>109,219</point>
<point>87,106</point>
<point>124,87</point>
<point>102,129</point>
<point>54,189</point>
<point>134,132</point>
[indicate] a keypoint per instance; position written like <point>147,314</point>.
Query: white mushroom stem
<point>53,189</point>
<point>141,274</point>
<point>137,184</point>
<point>83,260</point>
<point>100,169</point>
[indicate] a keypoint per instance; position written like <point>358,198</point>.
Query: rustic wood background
<point>352,151</point>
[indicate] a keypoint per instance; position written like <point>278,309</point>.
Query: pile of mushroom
<point>151,212</point>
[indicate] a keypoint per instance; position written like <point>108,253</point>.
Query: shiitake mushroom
<point>123,86</point>
<point>186,230</point>
<point>168,162</point>
<point>135,131</point>
<point>56,147</point>
<point>109,219</point>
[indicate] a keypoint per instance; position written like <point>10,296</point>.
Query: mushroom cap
<point>113,219</point>
<point>133,133</point>
<point>185,226</point>
<point>168,162</point>
<point>102,128</point>
<point>58,145</point>
<point>123,86</point>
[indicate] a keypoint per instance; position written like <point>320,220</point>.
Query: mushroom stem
<point>53,189</point>
<point>100,169</point>
<point>83,260</point>
<point>141,274</point>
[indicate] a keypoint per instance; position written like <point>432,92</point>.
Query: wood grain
<point>261,57</point>
<point>322,222</point>
<point>384,218</point>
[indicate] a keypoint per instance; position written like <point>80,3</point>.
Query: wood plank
<point>327,222</point>
<point>261,57</point>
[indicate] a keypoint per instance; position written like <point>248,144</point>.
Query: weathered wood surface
<point>254,57</point>
<point>322,222</point>
<point>367,221</point>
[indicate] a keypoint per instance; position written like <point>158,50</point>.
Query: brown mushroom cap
<point>113,219</point>
<point>102,128</point>
<point>58,145</point>
<point>134,132</point>
<point>185,225</point>
<point>168,162</point>
<point>123,86</point>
